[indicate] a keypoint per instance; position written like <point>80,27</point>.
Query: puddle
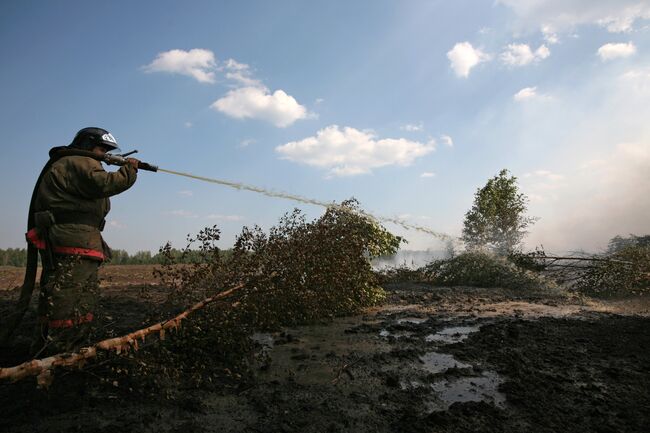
<point>399,334</point>
<point>434,362</point>
<point>465,389</point>
<point>447,391</point>
<point>413,320</point>
<point>452,334</point>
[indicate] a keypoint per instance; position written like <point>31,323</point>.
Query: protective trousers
<point>67,302</point>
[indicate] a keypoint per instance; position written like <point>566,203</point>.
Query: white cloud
<point>196,63</point>
<point>115,224</point>
<point>544,174</point>
<point>637,80</point>
<point>247,142</point>
<point>319,101</point>
<point>613,51</point>
<point>521,54</point>
<point>623,20</point>
<point>349,151</point>
<point>525,94</point>
<point>552,16</point>
<point>182,213</point>
<point>220,217</point>
<point>427,174</point>
<point>202,65</point>
<point>411,127</point>
<point>464,57</point>
<point>549,35</point>
<point>240,73</point>
<point>186,193</point>
<point>542,52</point>
<point>447,140</point>
<point>234,65</point>
<point>250,98</point>
<point>277,108</point>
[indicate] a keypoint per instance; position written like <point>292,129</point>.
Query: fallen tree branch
<point>42,368</point>
<point>586,259</point>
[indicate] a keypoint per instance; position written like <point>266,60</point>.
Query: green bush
<point>483,269</point>
<point>302,271</point>
<point>626,271</point>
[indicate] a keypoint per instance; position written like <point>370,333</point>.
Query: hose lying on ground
<point>42,368</point>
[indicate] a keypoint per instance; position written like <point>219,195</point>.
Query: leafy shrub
<point>626,271</point>
<point>531,261</point>
<point>617,243</point>
<point>483,269</point>
<point>303,271</point>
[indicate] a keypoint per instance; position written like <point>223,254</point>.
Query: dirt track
<point>434,360</point>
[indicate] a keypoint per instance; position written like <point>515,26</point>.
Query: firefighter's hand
<point>134,162</point>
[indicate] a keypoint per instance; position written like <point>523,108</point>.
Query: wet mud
<point>429,360</point>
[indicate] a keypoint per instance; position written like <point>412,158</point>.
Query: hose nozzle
<point>121,160</point>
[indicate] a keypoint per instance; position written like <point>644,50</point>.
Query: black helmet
<point>88,138</point>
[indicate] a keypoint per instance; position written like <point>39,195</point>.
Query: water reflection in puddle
<point>450,390</point>
<point>399,334</point>
<point>464,389</point>
<point>434,362</point>
<point>413,320</point>
<point>452,334</point>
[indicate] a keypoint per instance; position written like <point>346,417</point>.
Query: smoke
<point>603,198</point>
<point>603,161</point>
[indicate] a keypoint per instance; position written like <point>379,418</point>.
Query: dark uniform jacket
<point>75,190</point>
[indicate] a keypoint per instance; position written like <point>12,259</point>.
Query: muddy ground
<point>429,360</point>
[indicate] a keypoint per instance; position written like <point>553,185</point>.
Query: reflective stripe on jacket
<point>35,239</point>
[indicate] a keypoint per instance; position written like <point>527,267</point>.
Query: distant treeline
<point>18,257</point>
<point>13,257</point>
<point>121,257</point>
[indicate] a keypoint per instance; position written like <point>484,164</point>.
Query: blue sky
<point>407,106</point>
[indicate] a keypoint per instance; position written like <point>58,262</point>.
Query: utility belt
<point>38,236</point>
<point>47,219</point>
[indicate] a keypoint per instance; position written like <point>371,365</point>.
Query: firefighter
<point>69,209</point>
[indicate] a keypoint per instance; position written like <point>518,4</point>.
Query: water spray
<point>121,160</point>
<point>306,200</point>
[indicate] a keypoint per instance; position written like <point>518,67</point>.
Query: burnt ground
<point>429,360</point>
